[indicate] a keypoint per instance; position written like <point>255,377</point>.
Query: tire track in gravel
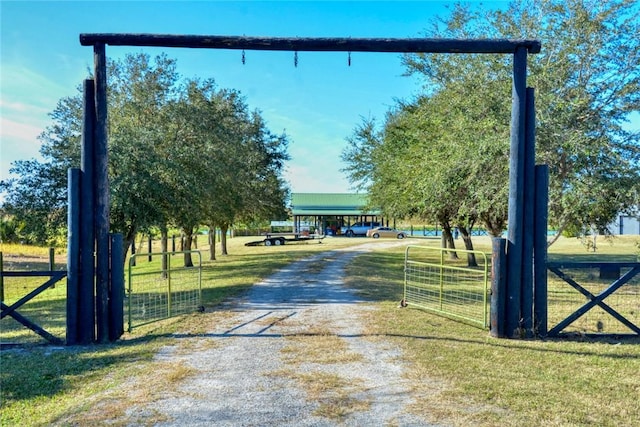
<point>245,379</point>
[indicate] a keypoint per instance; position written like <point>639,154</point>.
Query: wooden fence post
<point>516,195</point>
<point>86,285</point>
<point>498,287</point>
<point>73,255</point>
<point>116,291</point>
<point>526,302</point>
<point>101,195</point>
<point>1,279</point>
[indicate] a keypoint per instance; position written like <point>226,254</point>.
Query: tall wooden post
<point>498,287</point>
<point>116,291</point>
<point>86,284</point>
<point>73,255</point>
<point>526,301</point>
<point>1,279</point>
<point>516,193</point>
<point>101,196</point>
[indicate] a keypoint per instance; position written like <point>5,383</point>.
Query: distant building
<point>625,225</point>
<point>327,212</point>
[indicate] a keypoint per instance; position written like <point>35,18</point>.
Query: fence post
<point>73,334</point>
<point>441,278</point>
<point>1,279</point>
<point>52,258</point>
<point>130,291</point>
<point>498,287</point>
<point>526,302</point>
<point>101,193</point>
<point>516,196</point>
<point>116,296</point>
<point>86,285</point>
<point>168,286</point>
<point>52,261</point>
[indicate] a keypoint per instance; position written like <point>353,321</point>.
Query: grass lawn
<point>461,375</point>
<point>465,377</point>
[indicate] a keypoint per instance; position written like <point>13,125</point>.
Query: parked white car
<point>359,228</point>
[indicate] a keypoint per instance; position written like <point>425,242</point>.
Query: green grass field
<point>461,375</point>
<point>464,377</point>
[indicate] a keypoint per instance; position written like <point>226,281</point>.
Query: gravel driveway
<point>292,352</point>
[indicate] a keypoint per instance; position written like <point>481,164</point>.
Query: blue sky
<point>318,103</point>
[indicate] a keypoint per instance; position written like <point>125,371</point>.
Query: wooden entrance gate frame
<point>513,293</point>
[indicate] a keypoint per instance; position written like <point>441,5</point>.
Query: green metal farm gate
<point>156,292</point>
<point>446,286</point>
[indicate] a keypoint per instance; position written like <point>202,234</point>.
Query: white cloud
<point>24,112</point>
<point>18,141</point>
<point>27,98</point>
<point>25,132</point>
<point>316,177</point>
<point>20,83</point>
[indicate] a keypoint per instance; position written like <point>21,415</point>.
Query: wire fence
<point>156,291</point>
<point>437,283</point>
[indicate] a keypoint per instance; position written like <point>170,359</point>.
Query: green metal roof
<point>330,204</point>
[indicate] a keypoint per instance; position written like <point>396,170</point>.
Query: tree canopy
<point>182,152</point>
<point>444,154</point>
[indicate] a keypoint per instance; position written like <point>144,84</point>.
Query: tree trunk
<point>128,241</point>
<point>188,237</point>
<point>468,245</point>
<point>164,242</point>
<point>212,243</point>
<point>558,234</point>
<point>447,240</point>
<point>223,239</point>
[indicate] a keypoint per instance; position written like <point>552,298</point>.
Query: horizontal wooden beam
<point>313,44</point>
<point>592,264</point>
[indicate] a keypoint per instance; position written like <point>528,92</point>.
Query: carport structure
<point>527,210</point>
<point>330,211</point>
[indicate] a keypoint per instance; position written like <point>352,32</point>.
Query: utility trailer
<point>278,239</point>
